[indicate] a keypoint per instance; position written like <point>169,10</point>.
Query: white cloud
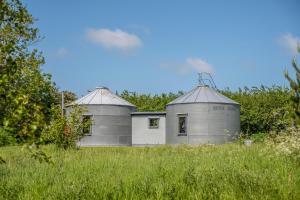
<point>62,52</point>
<point>289,42</point>
<point>117,39</point>
<point>190,64</point>
<point>199,65</point>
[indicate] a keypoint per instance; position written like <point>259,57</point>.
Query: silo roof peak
<point>102,87</point>
<point>203,85</point>
<point>202,94</point>
<point>102,96</point>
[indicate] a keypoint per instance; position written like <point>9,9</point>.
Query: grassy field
<point>229,171</point>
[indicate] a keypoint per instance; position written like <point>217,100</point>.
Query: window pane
<point>87,124</point>
<point>153,122</point>
<point>182,124</point>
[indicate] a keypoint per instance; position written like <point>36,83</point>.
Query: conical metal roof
<point>202,94</point>
<point>102,96</point>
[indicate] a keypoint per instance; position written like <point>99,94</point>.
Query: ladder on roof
<point>204,78</point>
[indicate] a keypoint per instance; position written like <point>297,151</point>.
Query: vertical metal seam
<point>189,94</point>
<point>93,97</point>
<point>82,98</point>
<point>197,94</point>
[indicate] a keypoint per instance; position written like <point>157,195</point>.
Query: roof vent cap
<point>102,87</point>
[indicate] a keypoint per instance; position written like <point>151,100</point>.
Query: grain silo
<point>202,116</point>
<point>111,119</point>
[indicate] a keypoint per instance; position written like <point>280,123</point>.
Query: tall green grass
<point>229,171</point>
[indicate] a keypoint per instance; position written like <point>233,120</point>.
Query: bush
<point>65,131</point>
<point>286,142</point>
<point>259,137</point>
<point>6,138</point>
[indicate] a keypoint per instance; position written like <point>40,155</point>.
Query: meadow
<point>229,171</point>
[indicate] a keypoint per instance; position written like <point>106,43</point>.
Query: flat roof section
<point>148,113</point>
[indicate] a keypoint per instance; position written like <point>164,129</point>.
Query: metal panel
<point>102,96</point>
<point>108,140</point>
<point>206,123</point>
<point>111,125</point>
<point>111,118</point>
<point>202,94</point>
<point>143,135</point>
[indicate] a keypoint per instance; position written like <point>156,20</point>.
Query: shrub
<point>6,138</point>
<point>286,142</point>
<point>65,131</point>
<point>259,137</point>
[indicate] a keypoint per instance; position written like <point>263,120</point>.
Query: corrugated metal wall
<point>111,125</point>
<point>206,123</point>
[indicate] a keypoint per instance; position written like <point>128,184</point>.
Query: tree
<point>148,102</point>
<point>69,97</point>
<point>262,109</point>
<point>26,94</point>
<point>295,86</point>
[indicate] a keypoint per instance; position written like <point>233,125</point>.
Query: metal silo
<point>111,119</point>
<point>202,116</point>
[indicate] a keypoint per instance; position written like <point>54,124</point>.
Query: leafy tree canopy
<point>26,94</point>
<point>148,102</point>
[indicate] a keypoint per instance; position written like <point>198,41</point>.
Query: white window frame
<point>149,124</point>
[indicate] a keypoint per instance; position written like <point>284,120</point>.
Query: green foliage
<point>26,94</point>
<point>295,86</point>
<point>263,109</point>
<point>229,171</point>
<point>65,131</point>
<point>6,138</point>
<point>2,161</point>
<point>148,102</point>
<point>259,137</point>
<point>69,97</point>
<point>41,156</point>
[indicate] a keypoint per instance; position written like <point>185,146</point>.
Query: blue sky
<point>159,46</point>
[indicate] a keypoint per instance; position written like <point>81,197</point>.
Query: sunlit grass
<point>229,171</point>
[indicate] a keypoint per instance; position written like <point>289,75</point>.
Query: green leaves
<point>6,138</point>
<point>263,109</point>
<point>148,102</point>
<point>65,131</point>
<point>26,94</point>
<point>295,86</point>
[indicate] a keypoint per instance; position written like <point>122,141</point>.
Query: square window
<point>153,123</point>
<point>182,125</point>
